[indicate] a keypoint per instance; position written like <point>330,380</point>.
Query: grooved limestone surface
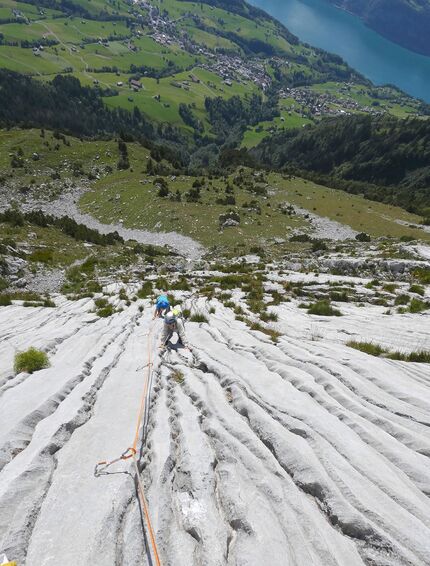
<point>301,453</point>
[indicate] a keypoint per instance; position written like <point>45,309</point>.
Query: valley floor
<point>253,453</point>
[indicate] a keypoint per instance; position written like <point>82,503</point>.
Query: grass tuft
<point>419,356</point>
<point>178,376</point>
<point>367,347</point>
<point>198,317</point>
<point>417,306</point>
<point>5,300</point>
<point>274,334</point>
<point>103,308</point>
<point>417,289</point>
<point>145,290</point>
<point>30,361</point>
<point>323,308</point>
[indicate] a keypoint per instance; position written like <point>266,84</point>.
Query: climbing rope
<point>131,452</point>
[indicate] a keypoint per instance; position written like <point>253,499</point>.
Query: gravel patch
<point>66,204</point>
<point>325,228</point>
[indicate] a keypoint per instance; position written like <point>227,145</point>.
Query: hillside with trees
<point>207,86</point>
<point>385,159</point>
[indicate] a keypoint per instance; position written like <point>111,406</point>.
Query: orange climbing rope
<point>132,451</point>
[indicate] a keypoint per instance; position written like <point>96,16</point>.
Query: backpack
<point>162,302</point>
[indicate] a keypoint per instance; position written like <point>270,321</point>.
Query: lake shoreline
<point>336,30</point>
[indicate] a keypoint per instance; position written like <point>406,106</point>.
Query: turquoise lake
<point>320,24</point>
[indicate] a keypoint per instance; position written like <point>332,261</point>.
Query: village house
<point>135,84</point>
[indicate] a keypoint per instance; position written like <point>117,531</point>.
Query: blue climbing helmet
<point>162,302</point>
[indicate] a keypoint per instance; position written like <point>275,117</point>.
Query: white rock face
<point>301,453</point>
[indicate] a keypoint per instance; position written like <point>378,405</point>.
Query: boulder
<point>229,223</point>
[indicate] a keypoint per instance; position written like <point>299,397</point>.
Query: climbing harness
<point>131,452</point>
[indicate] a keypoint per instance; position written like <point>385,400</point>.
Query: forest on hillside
<point>384,158</point>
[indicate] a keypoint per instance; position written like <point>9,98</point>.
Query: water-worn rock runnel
<point>301,452</point>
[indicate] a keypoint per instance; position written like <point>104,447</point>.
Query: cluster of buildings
<point>325,104</point>
<point>233,67</point>
<point>230,67</point>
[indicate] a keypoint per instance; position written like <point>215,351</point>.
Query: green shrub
<point>32,304</point>
<point>93,287</point>
<point>422,275</point>
<point>390,287</point>
<point>256,306</point>
<point>417,306</point>
<point>30,361</point>
<point>178,376</point>
<point>3,284</point>
<point>363,237</point>
<point>198,317</point>
<point>186,313</point>
<point>367,347</point>
<point>319,246</point>
<point>145,290</point>
<point>417,289</point>
<point>419,357</point>
<point>269,317</point>
<point>212,310</point>
<point>274,334</point>
<point>101,302</point>
<point>340,297</point>
<point>123,294</point>
<point>162,284</point>
<point>48,302</point>
<point>276,298</point>
<point>323,308</point>
<point>402,299</point>
<point>42,255</point>
<point>89,265</point>
<point>181,285</point>
<point>398,356</point>
<point>106,311</point>
<point>300,238</point>
<point>5,300</point>
<point>381,302</point>
<point>27,296</point>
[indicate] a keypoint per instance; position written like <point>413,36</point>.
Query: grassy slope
<point>131,196</point>
<point>139,206</point>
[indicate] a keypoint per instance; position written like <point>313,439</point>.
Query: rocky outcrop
<point>304,452</point>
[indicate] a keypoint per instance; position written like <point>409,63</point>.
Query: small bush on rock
<point>367,347</point>
<point>198,317</point>
<point>417,306</point>
<point>30,361</point>
<point>323,308</point>
<point>5,300</point>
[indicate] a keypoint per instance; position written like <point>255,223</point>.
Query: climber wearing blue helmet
<point>162,305</point>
